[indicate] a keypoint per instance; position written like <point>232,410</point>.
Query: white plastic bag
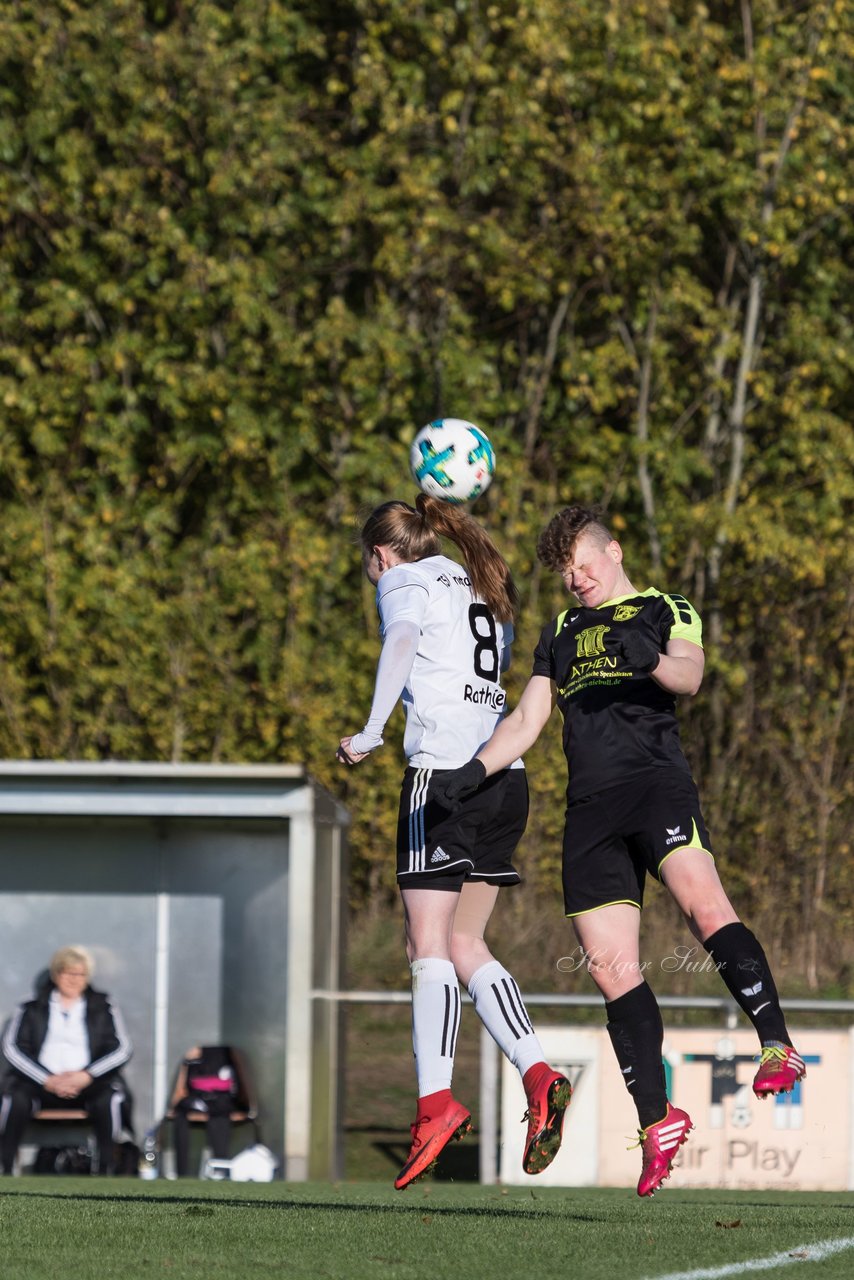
<point>255,1164</point>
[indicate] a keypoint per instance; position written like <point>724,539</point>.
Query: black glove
<point>452,791</point>
<point>642,655</point>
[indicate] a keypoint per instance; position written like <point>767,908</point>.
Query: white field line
<point>815,1252</point>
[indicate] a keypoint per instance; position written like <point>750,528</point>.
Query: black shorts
<point>441,850</point>
<point>612,839</point>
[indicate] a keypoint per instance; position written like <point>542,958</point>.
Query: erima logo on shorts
<point>674,835</point>
<point>439,855</point>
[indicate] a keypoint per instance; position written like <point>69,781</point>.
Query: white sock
<point>500,1007</point>
<point>435,1023</point>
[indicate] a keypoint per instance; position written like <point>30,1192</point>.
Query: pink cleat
<point>660,1145</point>
<point>780,1069</point>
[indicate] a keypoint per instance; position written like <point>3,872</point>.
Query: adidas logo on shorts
<point>439,855</point>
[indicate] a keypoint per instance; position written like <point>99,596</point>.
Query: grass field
<point>85,1229</point>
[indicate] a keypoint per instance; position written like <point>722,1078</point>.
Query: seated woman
<point>65,1048</point>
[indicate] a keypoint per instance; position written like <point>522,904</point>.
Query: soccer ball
<point>452,459</point>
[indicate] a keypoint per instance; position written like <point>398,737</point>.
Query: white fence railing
<point>490,1056</point>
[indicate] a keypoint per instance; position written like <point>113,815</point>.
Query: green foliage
<point>248,249</point>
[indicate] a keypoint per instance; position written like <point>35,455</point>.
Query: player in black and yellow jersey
<point>615,663</point>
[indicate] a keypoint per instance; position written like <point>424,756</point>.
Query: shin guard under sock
<point>499,1005</point>
<point>744,969</point>
<point>435,1023</point>
<point>637,1034</point>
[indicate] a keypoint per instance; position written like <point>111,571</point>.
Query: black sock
<point>742,965</point>
<point>637,1033</point>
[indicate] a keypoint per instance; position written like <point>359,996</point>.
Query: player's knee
<point>705,918</point>
<point>613,975</point>
<point>599,968</point>
<point>468,952</point>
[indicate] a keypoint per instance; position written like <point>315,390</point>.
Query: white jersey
<point>453,697</point>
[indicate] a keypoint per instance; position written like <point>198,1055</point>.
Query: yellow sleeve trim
<point>686,621</point>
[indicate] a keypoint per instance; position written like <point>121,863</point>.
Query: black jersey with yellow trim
<point>617,722</point>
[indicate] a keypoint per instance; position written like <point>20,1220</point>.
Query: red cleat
<point>547,1104</point>
<point>780,1069</point>
<point>429,1139</point>
<point>660,1145</point>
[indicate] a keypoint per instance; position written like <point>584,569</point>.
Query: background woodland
<point>248,248</point>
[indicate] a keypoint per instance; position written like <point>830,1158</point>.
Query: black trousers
<point>218,1136</point>
<point>22,1098</point>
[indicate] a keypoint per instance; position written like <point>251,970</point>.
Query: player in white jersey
<point>452,695</point>
<point>446,633</point>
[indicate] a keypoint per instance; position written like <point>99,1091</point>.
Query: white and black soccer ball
<point>452,459</point>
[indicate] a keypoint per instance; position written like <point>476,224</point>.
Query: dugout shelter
<point>212,898</point>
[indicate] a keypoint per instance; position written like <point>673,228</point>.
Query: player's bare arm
<point>680,668</point>
<point>520,730</point>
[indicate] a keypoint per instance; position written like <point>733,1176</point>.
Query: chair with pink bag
<point>213,1088</point>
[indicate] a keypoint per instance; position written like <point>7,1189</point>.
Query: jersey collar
<point>632,595</point>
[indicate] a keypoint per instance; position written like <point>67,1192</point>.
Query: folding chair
<point>193,1078</point>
